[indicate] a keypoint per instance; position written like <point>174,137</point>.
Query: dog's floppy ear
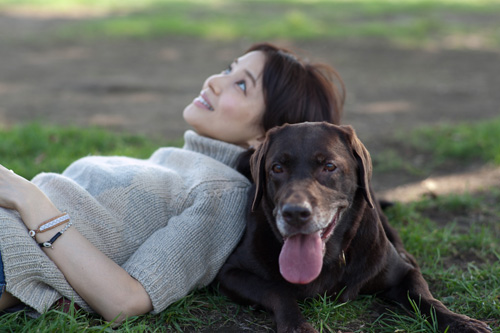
<point>258,169</point>
<point>364,162</point>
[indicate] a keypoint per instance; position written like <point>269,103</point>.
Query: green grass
<point>458,249</point>
<point>409,22</point>
<point>31,149</point>
<point>442,145</point>
<point>464,141</point>
<point>454,238</point>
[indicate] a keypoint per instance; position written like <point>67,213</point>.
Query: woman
<point>140,234</point>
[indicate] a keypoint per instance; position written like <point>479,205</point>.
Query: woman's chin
<point>189,114</point>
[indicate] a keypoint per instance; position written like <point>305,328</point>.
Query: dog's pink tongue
<point>301,258</point>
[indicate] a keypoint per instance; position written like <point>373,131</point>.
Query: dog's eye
<point>329,167</point>
<point>277,168</point>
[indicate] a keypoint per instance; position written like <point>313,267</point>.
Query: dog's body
<point>315,228</point>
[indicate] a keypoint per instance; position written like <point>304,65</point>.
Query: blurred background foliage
<point>407,22</point>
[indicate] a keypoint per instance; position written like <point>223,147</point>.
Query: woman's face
<point>231,104</point>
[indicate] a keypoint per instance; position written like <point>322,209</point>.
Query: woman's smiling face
<point>231,104</point>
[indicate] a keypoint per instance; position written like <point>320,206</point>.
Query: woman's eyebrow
<point>248,73</point>
<point>252,77</point>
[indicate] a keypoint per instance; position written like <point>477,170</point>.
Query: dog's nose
<point>296,214</point>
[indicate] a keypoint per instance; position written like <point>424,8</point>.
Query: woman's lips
<point>202,101</point>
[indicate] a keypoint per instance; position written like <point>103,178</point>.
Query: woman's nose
<point>215,83</point>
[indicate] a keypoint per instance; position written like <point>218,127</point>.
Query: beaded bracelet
<point>50,224</point>
<point>56,236</point>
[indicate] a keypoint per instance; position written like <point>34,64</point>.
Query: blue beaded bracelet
<point>56,236</point>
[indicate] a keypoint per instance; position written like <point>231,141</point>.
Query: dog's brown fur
<point>304,175</point>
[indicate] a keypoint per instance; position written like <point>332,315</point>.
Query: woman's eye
<point>329,167</point>
<point>277,168</point>
<point>242,85</point>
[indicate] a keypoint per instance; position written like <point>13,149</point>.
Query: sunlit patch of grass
<point>410,22</point>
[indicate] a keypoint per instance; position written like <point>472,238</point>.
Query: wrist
<point>47,239</point>
<point>35,207</point>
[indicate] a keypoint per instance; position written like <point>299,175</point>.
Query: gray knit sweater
<point>170,221</point>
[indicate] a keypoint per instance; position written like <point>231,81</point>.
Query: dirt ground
<point>142,86</point>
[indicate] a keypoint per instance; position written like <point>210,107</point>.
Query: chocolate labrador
<point>315,228</point>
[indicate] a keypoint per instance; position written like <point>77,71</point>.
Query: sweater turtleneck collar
<point>221,151</point>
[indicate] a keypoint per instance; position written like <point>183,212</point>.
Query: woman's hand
<point>14,189</point>
<point>22,195</point>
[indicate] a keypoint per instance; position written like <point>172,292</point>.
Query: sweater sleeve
<point>189,251</point>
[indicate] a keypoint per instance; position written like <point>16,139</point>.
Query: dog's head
<point>307,175</point>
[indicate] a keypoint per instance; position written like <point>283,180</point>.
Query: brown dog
<point>315,227</point>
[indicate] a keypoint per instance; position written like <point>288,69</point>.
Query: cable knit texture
<point>170,221</point>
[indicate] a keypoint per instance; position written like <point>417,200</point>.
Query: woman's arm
<point>200,239</point>
<point>104,285</point>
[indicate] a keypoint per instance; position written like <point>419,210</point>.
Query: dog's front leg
<point>414,287</point>
<point>277,297</point>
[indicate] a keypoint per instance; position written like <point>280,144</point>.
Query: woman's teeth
<point>202,100</point>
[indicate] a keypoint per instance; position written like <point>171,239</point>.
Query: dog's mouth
<point>327,232</point>
<point>301,257</point>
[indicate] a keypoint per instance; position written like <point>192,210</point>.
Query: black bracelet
<point>56,236</point>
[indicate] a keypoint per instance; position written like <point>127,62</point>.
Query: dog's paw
<point>469,325</point>
<point>302,328</point>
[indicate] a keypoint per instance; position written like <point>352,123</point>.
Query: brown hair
<point>296,91</point>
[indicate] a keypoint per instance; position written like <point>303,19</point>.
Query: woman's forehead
<point>254,58</point>
<point>254,61</point>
